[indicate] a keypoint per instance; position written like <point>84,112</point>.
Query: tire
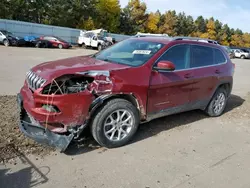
<point>102,117</point>
<point>60,46</point>
<point>243,57</point>
<point>217,100</point>
<point>84,46</point>
<point>6,42</point>
<point>99,47</point>
<point>37,45</point>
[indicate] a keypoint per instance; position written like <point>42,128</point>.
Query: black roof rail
<point>196,39</point>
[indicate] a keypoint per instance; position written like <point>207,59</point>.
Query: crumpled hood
<point>54,69</point>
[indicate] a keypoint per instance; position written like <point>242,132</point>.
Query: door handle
<point>217,71</point>
<point>188,76</point>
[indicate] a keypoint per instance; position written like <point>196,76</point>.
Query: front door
<point>94,42</point>
<point>169,92</point>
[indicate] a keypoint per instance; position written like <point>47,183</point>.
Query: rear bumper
<point>39,133</point>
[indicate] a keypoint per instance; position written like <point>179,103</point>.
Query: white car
<point>243,54</point>
<point>90,39</point>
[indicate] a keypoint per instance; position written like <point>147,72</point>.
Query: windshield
<point>61,39</point>
<point>6,32</point>
<point>130,52</point>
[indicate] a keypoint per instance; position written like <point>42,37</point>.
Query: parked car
<point>51,42</point>
<point>28,41</point>
<point>240,53</point>
<point>91,39</point>
<point>229,51</point>
<point>112,92</point>
<point>8,39</point>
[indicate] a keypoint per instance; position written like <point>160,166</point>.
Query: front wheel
<point>218,103</point>
<point>115,123</point>
<point>99,47</point>
<point>6,42</point>
<point>60,46</point>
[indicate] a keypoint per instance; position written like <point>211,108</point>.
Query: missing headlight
<point>67,84</point>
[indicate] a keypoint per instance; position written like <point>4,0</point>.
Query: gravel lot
<point>184,150</point>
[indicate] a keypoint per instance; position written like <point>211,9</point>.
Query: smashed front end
<point>56,112</point>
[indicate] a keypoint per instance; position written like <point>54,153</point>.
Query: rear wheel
<point>115,123</point>
<point>6,42</point>
<point>243,57</point>
<point>84,46</point>
<point>218,103</point>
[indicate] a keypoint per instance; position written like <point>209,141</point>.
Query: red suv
<point>113,91</point>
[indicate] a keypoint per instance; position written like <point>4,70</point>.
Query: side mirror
<point>165,66</point>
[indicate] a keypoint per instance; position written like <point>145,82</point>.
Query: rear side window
<point>202,56</point>
<point>219,57</point>
<point>179,55</point>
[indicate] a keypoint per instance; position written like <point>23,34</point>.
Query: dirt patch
<point>11,139</point>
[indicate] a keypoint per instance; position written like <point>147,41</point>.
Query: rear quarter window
<point>219,57</point>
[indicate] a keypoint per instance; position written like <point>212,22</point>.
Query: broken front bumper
<point>39,133</point>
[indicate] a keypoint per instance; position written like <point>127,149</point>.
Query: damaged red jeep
<point>113,91</point>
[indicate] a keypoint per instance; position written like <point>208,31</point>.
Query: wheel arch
<point>102,100</point>
<point>227,85</point>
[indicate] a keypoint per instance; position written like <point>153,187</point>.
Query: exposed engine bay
<point>67,84</point>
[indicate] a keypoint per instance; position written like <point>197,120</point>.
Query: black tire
<point>99,47</point>
<point>60,46</point>
<point>98,128</point>
<point>84,46</point>
<point>210,110</point>
<point>243,57</point>
<point>37,45</point>
<point>6,42</point>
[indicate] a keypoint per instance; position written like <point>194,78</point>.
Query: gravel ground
<point>11,138</point>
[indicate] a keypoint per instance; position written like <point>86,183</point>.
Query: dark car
<point>52,42</point>
<point>132,82</point>
<point>8,39</point>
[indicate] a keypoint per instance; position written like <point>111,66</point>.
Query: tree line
<point>108,14</point>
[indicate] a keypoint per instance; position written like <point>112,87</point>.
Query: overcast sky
<point>236,13</point>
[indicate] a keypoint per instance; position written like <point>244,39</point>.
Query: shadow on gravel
<point>27,177</point>
<point>155,127</point>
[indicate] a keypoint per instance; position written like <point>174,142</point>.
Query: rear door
<point>169,92</point>
<point>205,76</point>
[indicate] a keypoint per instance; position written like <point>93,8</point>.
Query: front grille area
<point>34,81</point>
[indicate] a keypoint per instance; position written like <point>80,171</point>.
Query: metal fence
<point>20,28</point>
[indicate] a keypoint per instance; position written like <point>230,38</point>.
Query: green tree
<point>211,33</point>
<point>169,20</point>
<point>185,25</point>
<point>200,24</point>
<point>126,23</point>
<point>138,14</point>
<point>108,12</point>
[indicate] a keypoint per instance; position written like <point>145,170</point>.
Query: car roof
<point>190,40</point>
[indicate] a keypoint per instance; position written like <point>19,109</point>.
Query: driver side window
<point>179,55</point>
